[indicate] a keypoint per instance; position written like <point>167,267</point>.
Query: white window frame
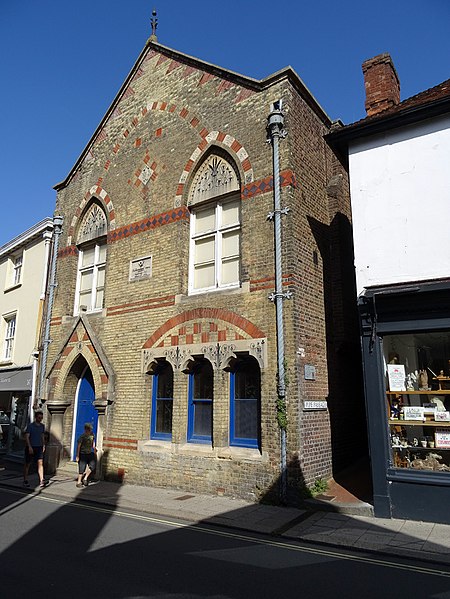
<point>217,233</point>
<point>16,269</point>
<point>10,327</point>
<point>95,267</point>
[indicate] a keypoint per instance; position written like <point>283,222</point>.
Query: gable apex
<point>174,60</point>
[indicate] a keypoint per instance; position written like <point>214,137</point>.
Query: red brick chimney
<point>381,82</point>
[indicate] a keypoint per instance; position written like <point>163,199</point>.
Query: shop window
<point>162,402</point>
<point>245,396</point>
<point>10,333</point>
<point>417,369</point>
<point>200,402</point>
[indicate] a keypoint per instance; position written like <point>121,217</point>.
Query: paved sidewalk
<point>420,540</point>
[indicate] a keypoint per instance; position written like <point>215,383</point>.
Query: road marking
<point>233,535</point>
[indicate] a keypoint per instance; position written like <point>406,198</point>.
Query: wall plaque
<point>310,372</point>
<point>140,269</point>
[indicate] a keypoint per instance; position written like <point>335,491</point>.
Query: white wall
<point>400,193</point>
<point>24,300</point>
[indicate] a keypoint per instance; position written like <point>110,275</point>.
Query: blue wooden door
<point>86,411</point>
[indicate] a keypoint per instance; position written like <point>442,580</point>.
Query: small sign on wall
<point>140,269</point>
<point>315,405</point>
<point>310,372</point>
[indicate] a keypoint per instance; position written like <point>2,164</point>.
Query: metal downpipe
<point>57,230</point>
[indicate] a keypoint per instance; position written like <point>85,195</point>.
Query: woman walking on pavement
<point>86,455</point>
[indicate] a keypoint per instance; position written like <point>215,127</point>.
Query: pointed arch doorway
<point>84,410</point>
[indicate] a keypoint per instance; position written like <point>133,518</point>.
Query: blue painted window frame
<point>154,434</point>
<point>191,436</point>
<point>251,442</point>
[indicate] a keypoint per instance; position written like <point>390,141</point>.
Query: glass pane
<point>164,409</point>
<point>230,244</point>
<point>102,253</point>
<point>86,281</point>
<point>230,272</point>
<point>101,277</point>
<point>203,381</point>
<point>204,276</point>
<point>205,220</point>
<point>246,418</point>
<point>203,419</point>
<point>99,298</point>
<point>230,213</point>
<point>165,381</point>
<point>87,256</point>
<point>204,250</point>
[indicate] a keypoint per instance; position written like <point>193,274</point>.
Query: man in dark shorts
<point>34,448</point>
<point>86,455</point>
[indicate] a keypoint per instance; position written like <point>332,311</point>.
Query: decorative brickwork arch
<point>206,323</point>
<point>103,198</point>
<point>223,141</point>
<point>58,376</point>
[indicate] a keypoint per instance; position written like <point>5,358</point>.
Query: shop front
<point>406,353</point>
<point>15,393</point>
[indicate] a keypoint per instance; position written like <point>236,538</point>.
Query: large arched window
<point>162,402</point>
<point>91,243</point>
<point>200,402</point>
<point>245,400</point>
<point>215,226</point>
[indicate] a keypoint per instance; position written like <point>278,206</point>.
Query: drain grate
<point>184,497</point>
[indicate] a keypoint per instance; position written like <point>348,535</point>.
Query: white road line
<point>234,535</point>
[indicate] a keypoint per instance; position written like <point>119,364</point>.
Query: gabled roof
<point>287,73</point>
<point>429,103</point>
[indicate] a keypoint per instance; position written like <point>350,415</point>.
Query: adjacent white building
<point>24,263</point>
<point>399,167</point>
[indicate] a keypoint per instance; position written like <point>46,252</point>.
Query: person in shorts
<point>34,448</point>
<point>86,455</point>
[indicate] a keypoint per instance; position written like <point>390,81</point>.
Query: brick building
<point>162,331</point>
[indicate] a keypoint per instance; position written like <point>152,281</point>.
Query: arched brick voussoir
<point>232,145</point>
<point>205,313</point>
<point>100,194</point>
<point>69,360</point>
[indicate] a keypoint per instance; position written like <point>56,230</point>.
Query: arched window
<point>162,402</point>
<point>91,243</point>
<point>200,402</point>
<point>215,226</point>
<point>245,400</point>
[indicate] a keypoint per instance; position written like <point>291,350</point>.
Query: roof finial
<point>154,24</point>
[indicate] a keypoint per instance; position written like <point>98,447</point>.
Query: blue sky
<point>62,62</point>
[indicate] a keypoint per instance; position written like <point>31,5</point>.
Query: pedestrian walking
<point>86,455</point>
<point>34,448</point>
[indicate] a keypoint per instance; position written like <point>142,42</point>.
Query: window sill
<point>6,362</point>
<point>16,286</point>
<point>239,454</point>
<point>243,288</point>
<point>244,454</point>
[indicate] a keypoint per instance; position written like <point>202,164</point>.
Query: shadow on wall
<point>345,377</point>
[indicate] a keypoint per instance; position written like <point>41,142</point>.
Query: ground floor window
<point>200,402</point>
<point>162,402</point>
<point>245,396</point>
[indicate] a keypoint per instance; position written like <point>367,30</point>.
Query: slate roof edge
<point>254,84</point>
